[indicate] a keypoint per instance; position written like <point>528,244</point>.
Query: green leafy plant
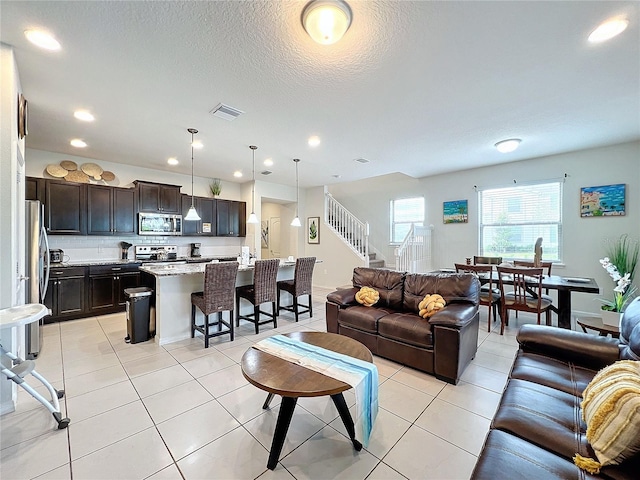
<point>623,254</point>
<point>215,187</point>
<point>621,266</point>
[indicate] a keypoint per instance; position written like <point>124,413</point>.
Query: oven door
<point>159,224</point>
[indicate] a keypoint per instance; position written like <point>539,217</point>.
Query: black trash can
<point>138,308</point>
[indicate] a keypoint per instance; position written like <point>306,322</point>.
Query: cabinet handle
<point>116,268</point>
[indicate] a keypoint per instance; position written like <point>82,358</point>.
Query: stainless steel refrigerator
<point>37,269</point>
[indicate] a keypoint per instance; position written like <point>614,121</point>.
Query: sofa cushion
<point>564,376</point>
<point>388,283</point>
<point>407,328</point>
<point>454,288</point>
<point>611,408</point>
<point>362,318</point>
<point>630,332</point>
<point>544,416</point>
<point>367,296</point>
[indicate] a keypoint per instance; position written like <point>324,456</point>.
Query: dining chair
<point>489,296</point>
<point>217,297</point>
<point>298,286</point>
<point>526,295</point>
<point>530,264</point>
<point>263,290</point>
<point>479,260</point>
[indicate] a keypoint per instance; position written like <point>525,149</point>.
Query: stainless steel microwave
<point>159,224</point>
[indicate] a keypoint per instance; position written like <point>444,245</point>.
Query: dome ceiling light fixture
<point>192,214</point>
<point>506,146</point>
<point>326,21</point>
<point>252,216</point>
<point>609,29</point>
<point>296,220</point>
<point>42,39</point>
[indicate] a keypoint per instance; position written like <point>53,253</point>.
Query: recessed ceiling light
<point>197,144</point>
<point>314,141</point>
<point>336,176</point>
<point>173,161</point>
<point>76,142</point>
<point>268,162</point>
<point>506,146</point>
<point>84,115</point>
<point>42,39</point>
<point>362,160</point>
<point>237,174</point>
<point>609,29</point>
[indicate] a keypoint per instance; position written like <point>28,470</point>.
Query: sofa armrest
<point>455,315</point>
<point>580,348</point>
<point>344,297</point>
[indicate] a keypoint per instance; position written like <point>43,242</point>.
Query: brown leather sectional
<point>442,345</point>
<point>538,427</point>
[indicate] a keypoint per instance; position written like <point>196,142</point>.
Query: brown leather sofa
<point>538,427</point>
<point>442,345</point>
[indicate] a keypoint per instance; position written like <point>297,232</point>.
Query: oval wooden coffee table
<point>291,381</point>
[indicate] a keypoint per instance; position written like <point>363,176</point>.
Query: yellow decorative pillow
<point>611,410</point>
<point>430,304</point>
<point>367,296</point>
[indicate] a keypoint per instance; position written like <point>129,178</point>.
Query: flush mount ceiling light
<point>252,216</point>
<point>326,21</point>
<point>237,174</point>
<point>506,146</point>
<point>192,214</point>
<point>296,220</point>
<point>76,142</point>
<point>314,141</point>
<point>268,162</point>
<point>84,115</point>
<point>172,161</point>
<point>42,39</point>
<point>609,29</point>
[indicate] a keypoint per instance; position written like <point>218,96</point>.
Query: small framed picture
<point>602,201</point>
<point>313,230</point>
<point>456,211</point>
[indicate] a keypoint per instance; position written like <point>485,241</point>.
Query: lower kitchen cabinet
<point>107,284</point>
<point>66,293</point>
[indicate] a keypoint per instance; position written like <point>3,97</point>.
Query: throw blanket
<point>362,376</point>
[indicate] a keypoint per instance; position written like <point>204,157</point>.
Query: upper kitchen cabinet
<point>231,218</point>
<point>65,206</point>
<point>206,208</point>
<point>158,198</point>
<point>34,188</point>
<point>111,210</point>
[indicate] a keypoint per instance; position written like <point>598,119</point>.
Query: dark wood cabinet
<point>231,218</point>
<point>158,198</point>
<point>34,188</point>
<point>66,293</point>
<point>65,207</point>
<point>111,210</point>
<point>107,284</point>
<point>206,208</point>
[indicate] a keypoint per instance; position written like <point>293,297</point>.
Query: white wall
<point>584,238</point>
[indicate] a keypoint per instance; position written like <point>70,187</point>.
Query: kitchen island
<point>173,286</point>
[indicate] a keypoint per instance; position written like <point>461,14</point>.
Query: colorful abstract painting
<point>602,201</point>
<point>456,211</point>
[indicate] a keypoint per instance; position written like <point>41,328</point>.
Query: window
<point>404,212</point>
<point>512,218</point>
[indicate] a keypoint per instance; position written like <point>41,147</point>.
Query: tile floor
<point>179,411</point>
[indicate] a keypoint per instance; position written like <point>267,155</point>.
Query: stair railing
<point>414,254</point>
<point>346,225</point>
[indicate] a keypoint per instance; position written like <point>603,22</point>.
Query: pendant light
<point>296,221</point>
<point>252,216</point>
<point>192,214</point>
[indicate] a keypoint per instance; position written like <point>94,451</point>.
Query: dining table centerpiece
<point>620,264</point>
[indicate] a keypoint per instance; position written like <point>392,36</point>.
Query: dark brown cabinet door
<point>99,210</point>
<point>189,227</point>
<point>149,197</point>
<point>65,208</point>
<point>34,188</point>
<point>155,197</point>
<point>107,284</point>
<point>169,199</point>
<point>66,293</point>
<point>206,208</point>
<point>101,292</point>
<point>231,219</point>
<point>222,218</point>
<point>125,209</point>
<point>126,280</point>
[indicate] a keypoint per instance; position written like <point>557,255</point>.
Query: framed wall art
<point>456,211</point>
<point>602,201</point>
<point>313,230</point>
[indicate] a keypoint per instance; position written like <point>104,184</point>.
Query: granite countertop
<point>191,268</point>
<point>88,263</point>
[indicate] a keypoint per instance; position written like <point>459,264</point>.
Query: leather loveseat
<point>442,345</point>
<point>538,426</point>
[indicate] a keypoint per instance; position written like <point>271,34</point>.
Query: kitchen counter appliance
<point>195,249</point>
<point>159,224</point>
<point>124,250</point>
<point>156,252</point>
<point>56,255</point>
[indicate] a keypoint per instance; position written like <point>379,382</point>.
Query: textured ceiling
<point>417,88</point>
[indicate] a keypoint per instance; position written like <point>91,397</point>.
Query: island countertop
<point>172,270</point>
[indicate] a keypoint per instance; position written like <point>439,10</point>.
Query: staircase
<point>375,262</point>
<point>347,226</point>
<point>414,255</point>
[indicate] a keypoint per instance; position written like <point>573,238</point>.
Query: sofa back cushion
<point>388,283</point>
<point>630,332</point>
<point>454,288</point>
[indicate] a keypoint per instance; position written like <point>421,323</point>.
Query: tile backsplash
<point>93,247</point>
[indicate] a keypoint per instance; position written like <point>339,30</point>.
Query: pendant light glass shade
<point>253,218</point>
<point>296,220</point>
<point>192,214</point>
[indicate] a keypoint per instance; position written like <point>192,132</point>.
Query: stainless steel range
<point>156,252</point>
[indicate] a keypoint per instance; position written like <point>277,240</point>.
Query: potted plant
<point>621,266</point>
<point>215,187</point>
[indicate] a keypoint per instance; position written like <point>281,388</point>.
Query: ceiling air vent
<point>226,112</point>
<point>362,160</point>
<point>266,172</point>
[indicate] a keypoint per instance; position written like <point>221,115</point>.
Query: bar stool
<point>262,291</point>
<point>217,297</point>
<point>300,285</point>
